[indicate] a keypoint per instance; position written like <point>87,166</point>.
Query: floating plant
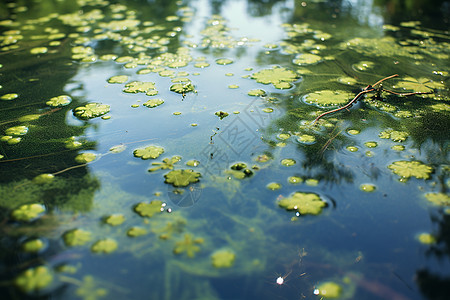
<point>76,237</point>
<point>91,110</point>
<point>34,279</point>
<point>104,246</point>
<point>148,209</point>
<point>115,220</point>
<point>136,231</point>
<point>139,87</point>
<point>28,212</point>
<point>189,245</point>
<point>426,238</point>
<point>153,103</point>
<point>406,169</point>
<point>328,289</point>
<point>182,177</point>
<point>118,79</point>
<point>257,93</point>
<point>440,199</point>
<point>85,158</point>
<point>59,101</point>
<point>223,258</point>
<point>32,246</point>
<point>327,98</point>
<point>221,114</point>
<point>396,136</point>
<point>166,164</point>
<point>304,203</point>
<point>276,76</point>
<point>148,152</point>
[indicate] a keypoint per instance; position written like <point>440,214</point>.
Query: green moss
<point>28,212</point>
<point>85,158</point>
<point>148,209</point>
<point>223,258</point>
<point>327,98</point>
<point>91,110</point>
<point>34,279</point>
<point>148,152</point>
<point>304,203</point>
<point>182,177</point>
<point>76,237</point>
<point>104,246</point>
<point>153,103</point>
<point>407,169</point>
<point>189,245</point>
<point>59,101</point>
<point>115,220</point>
<point>440,199</point>
<point>329,290</point>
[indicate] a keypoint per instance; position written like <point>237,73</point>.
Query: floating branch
<point>368,89</point>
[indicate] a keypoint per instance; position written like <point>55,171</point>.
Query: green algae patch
<point>33,246</point>
<point>353,131</point>
<point>136,231</point>
<point>91,110</point>
<point>267,110</point>
<point>439,199</point>
<point>153,103</point>
<point>76,237</point>
<point>104,246</point>
<point>426,238</point>
<point>85,158</point>
<point>148,209</point>
<point>329,290</point>
<point>118,79</point>
<point>182,177</point>
<point>394,135</point>
<point>257,93</point>
<point>115,220</point>
<point>306,59</point>
<point>28,212</point>
<point>188,245</point>
<point>276,76</point>
<point>287,162</point>
<point>29,118</point>
<point>327,98</point>
<point>304,203</point>
<point>312,182</point>
<point>43,178</point>
<point>166,164</point>
<point>367,187</point>
<point>273,186</point>
<point>17,130</point>
<point>407,169</point>
<point>148,152</point>
<point>294,180</point>
<point>139,87</point>
<point>9,97</point>
<point>223,258</point>
<point>34,279</point>
<point>59,101</point>
<point>221,114</point>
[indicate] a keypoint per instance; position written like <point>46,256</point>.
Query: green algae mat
<point>224,150</point>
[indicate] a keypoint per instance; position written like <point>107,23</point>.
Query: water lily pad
<point>304,203</point>
<point>423,85</point>
<point>148,152</point>
<point>148,209</point>
<point>59,101</point>
<point>182,88</point>
<point>407,169</point>
<point>182,177</point>
<point>91,110</point>
<point>28,212</point>
<point>76,237</point>
<point>223,258</point>
<point>153,103</point>
<point>327,97</point>
<point>34,279</point>
<point>189,245</point>
<point>104,246</point>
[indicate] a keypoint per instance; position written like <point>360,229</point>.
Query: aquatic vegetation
<point>426,238</point>
<point>188,245</point>
<point>223,258</point>
<point>329,290</point>
<point>28,212</point>
<point>394,135</point>
<point>306,59</point>
<point>89,290</point>
<point>115,220</point>
<point>273,186</point>
<point>294,180</point>
<point>347,80</point>
<point>367,187</point>
<point>91,110</point>
<point>117,149</point>
<point>34,279</point>
<point>421,85</point>
<point>287,162</point>
<point>398,147</point>
<point>136,231</point>
<point>364,65</point>
<point>312,182</point>
<point>16,130</point>
<point>34,245</point>
<point>371,144</point>
<point>175,226</point>
<point>9,97</point>
<point>224,61</point>
<point>278,76</point>
<point>153,103</point>
<point>406,169</point>
<point>192,163</point>
<point>221,114</point>
<point>440,199</point>
<point>257,93</point>
<point>267,110</point>
<point>85,157</point>
<point>149,209</point>
<point>352,148</point>
<point>139,87</point>
<point>183,87</point>
<point>306,139</point>
<point>182,177</point>
<point>166,164</point>
<point>59,101</point>
<point>304,203</point>
<point>118,79</point>
<point>76,237</point>
<point>327,98</point>
<point>148,152</point>
<point>104,246</point>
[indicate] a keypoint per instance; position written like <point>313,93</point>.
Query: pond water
<point>182,150</point>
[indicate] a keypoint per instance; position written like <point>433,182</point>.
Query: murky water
<point>177,150</point>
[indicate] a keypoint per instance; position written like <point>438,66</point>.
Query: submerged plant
<point>189,245</point>
<point>276,76</point>
<point>223,258</point>
<point>406,169</point>
<point>304,203</point>
<point>182,177</point>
